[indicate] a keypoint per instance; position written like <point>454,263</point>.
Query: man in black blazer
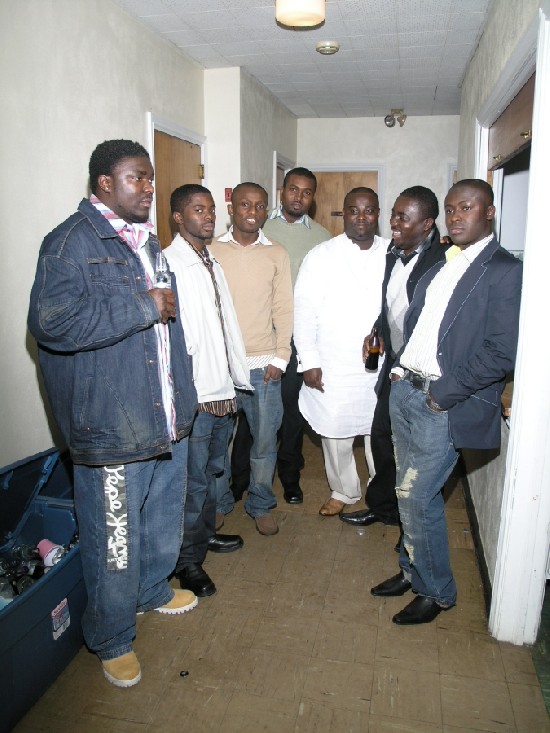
<point>461,333</point>
<point>414,249</point>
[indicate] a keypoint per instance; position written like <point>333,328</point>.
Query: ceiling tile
<point>390,50</point>
<point>211,19</point>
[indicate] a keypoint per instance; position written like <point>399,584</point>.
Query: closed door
<point>331,188</point>
<point>176,162</point>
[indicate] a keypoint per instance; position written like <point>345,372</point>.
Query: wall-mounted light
<point>396,115</point>
<point>327,48</point>
<point>300,13</point>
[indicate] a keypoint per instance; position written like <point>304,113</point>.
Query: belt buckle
<point>419,382</point>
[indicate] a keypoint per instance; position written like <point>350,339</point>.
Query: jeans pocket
<point>431,409</point>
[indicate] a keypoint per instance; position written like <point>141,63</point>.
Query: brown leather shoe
<point>331,508</point>
<point>266,525</point>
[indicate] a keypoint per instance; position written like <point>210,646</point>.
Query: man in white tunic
<point>337,299</point>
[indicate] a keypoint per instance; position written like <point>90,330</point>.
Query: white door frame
<point>520,573</point>
<point>279,160</point>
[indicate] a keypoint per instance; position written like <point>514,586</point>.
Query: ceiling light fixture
<point>396,115</point>
<point>300,13</point>
<point>327,48</point>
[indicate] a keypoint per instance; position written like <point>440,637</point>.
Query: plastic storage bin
<point>40,630</point>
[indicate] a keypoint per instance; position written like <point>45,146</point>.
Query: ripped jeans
<point>424,456</point>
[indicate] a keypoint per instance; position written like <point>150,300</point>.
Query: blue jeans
<point>206,460</point>
<point>130,520</point>
<point>425,456</point>
<point>225,501</point>
<point>264,411</point>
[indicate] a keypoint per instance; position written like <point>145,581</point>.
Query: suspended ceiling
<point>409,54</point>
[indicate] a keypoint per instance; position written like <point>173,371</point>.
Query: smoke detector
<point>327,48</point>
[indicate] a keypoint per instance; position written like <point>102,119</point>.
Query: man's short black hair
<point>361,189</point>
<point>426,198</point>
<point>107,154</point>
<point>478,183</point>
<point>182,195</point>
<point>248,184</point>
<point>304,172</point>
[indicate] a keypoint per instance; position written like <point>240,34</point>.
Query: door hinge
<point>201,171</point>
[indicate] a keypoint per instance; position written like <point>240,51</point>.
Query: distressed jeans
<point>130,520</point>
<point>424,456</point>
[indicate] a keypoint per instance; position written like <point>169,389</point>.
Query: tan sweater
<point>261,287</point>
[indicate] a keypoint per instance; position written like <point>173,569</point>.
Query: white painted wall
<point>420,153</point>
<point>75,74</point>
<point>265,125</point>
<point>486,475</point>
<point>244,123</point>
<point>506,25</point>
<point>222,124</point>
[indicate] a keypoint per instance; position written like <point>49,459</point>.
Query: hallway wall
<point>422,152</point>
<point>81,72</point>
<point>244,124</point>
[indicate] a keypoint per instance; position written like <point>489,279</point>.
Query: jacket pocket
<point>111,271</point>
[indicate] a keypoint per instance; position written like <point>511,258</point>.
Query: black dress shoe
<point>193,577</point>
<point>293,494</point>
<point>225,543</point>
<point>395,586</point>
<point>362,518</point>
<point>420,611</point>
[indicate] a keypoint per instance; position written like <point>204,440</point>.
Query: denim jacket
<point>93,318</point>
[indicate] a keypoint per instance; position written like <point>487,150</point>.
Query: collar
<point>130,232</point>
<point>473,250</point>
<point>261,239</point>
<point>278,214</point>
<point>424,244</point>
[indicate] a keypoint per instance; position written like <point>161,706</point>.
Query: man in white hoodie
<point>213,339</point>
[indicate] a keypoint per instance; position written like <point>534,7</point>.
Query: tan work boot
<point>183,601</point>
<point>122,671</point>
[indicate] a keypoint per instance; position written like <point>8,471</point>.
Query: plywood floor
<point>293,642</point>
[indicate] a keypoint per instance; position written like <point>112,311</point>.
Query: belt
<point>417,380</point>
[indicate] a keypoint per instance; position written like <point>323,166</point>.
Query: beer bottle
<point>371,362</point>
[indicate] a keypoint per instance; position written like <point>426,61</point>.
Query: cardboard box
<point>40,630</point>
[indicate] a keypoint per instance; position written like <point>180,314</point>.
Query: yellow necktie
<point>452,252</point>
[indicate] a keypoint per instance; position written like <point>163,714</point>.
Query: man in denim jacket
<point>119,381</point>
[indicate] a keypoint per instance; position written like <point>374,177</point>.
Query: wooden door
<point>331,188</point>
<point>176,162</point>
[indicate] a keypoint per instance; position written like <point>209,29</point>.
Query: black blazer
<point>477,344</point>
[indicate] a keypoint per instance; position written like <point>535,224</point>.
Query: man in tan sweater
<point>258,274</point>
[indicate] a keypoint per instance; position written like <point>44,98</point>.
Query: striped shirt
<point>136,237</point>
<point>420,354</point>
